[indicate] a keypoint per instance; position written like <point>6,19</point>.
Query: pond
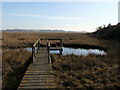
<point>76,51</point>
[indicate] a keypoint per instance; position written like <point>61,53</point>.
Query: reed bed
<point>14,64</point>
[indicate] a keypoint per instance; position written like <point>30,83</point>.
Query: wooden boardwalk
<point>39,73</point>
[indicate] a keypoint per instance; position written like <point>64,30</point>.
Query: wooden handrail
<point>50,39</point>
<point>36,47</point>
<point>36,42</point>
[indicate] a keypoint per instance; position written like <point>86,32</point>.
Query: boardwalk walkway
<point>39,73</point>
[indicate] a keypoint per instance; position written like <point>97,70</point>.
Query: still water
<point>77,51</point>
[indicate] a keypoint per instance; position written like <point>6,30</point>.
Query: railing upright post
<point>33,53</point>
<point>48,47</point>
<point>61,45</point>
<point>38,45</point>
<point>34,50</point>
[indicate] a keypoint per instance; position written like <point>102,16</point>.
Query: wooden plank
<point>36,84</point>
<point>50,39</point>
<point>39,74</point>
<point>36,87</point>
<point>36,73</point>
<point>41,58</point>
<point>39,80</point>
<point>39,71</point>
<point>40,68</point>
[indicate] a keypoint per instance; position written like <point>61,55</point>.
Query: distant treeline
<point>107,32</point>
<point>45,30</point>
<point>29,30</point>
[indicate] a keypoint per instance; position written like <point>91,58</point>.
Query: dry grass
<point>70,71</point>
<point>82,72</point>
<point>23,39</point>
<point>14,63</point>
<point>93,71</point>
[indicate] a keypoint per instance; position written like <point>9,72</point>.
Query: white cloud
<point>50,17</point>
<point>66,18</point>
<point>27,15</point>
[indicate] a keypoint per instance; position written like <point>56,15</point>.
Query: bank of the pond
<point>86,46</point>
<point>20,46</point>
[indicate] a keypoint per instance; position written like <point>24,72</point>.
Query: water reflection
<point>29,49</point>
<point>78,51</point>
<point>84,52</point>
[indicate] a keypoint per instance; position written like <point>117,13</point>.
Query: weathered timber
<point>39,73</point>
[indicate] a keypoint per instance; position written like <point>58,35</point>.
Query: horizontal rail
<point>36,42</point>
<point>36,47</point>
<point>50,39</point>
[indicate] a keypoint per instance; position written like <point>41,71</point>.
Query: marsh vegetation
<point>14,64</point>
<point>70,70</point>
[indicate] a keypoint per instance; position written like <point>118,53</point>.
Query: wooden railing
<point>36,48</point>
<point>48,49</point>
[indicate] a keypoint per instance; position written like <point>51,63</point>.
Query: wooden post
<point>33,53</point>
<point>61,45</point>
<point>38,45</point>
<point>61,52</point>
<point>34,50</point>
<point>48,47</point>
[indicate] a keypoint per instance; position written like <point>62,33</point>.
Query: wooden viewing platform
<point>39,73</point>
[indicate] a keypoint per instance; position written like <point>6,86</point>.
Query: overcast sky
<point>70,16</point>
